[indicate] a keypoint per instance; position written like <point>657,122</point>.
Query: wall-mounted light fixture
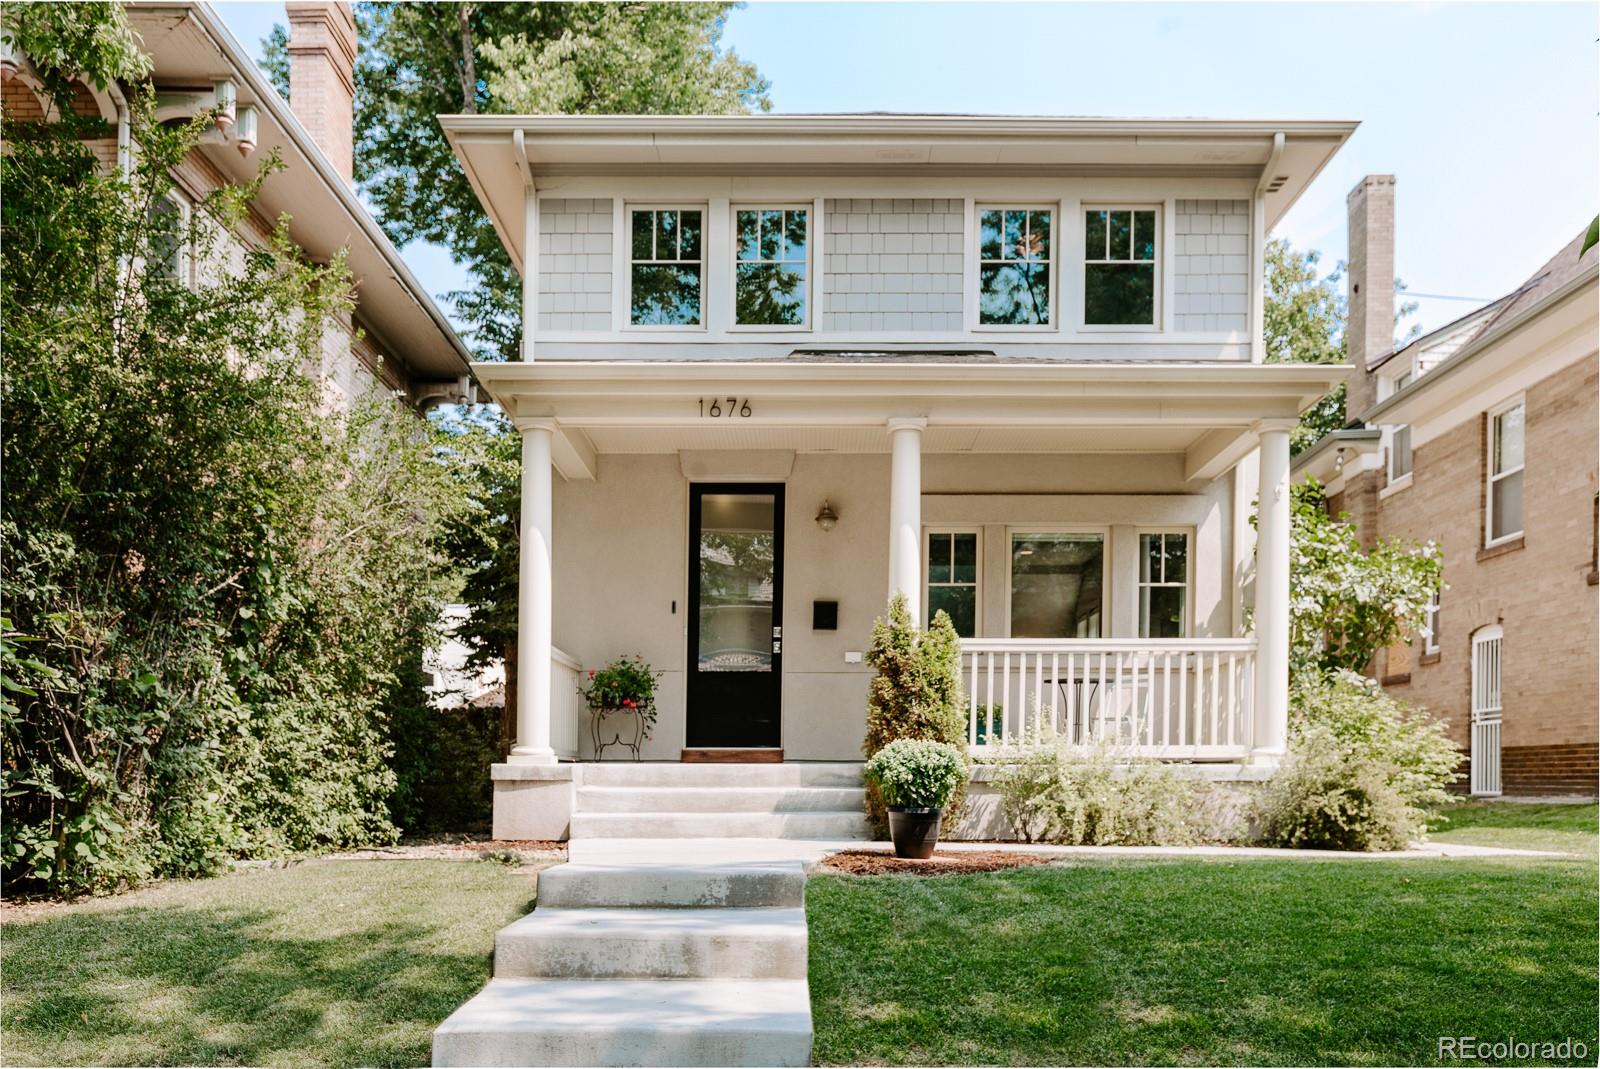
<point>827,519</point>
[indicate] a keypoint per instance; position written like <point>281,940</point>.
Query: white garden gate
<point>1486,711</point>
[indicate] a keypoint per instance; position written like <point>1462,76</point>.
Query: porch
<point>1039,505</point>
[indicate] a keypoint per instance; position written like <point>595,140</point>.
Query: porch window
<point>1057,585</point>
<point>1164,585</point>
<point>1119,267</point>
<point>667,278</point>
<point>770,273</point>
<point>1014,266</point>
<point>952,579</point>
<point>1505,473</point>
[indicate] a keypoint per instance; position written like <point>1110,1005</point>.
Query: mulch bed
<point>942,863</point>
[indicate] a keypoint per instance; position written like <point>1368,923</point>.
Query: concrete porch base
<point>532,801</point>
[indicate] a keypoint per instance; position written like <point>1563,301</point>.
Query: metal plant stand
<point>600,712</point>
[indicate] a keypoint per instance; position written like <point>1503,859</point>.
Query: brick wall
<point>1539,593</point>
<point>1370,330</point>
<point>1213,265</point>
<point>893,264</point>
<point>575,264</point>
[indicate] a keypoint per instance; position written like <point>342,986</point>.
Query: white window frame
<point>626,238</point>
<point>733,261</point>
<point>955,529</point>
<point>1106,563</point>
<point>1158,309</point>
<point>1053,261</point>
<point>1430,623</point>
<point>1188,534</point>
<point>1398,479</point>
<point>1491,476</point>
<point>185,269</point>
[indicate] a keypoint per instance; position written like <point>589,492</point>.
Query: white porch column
<point>905,512</point>
<point>1272,594</point>
<point>533,598</point>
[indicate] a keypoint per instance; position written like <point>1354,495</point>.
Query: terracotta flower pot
<point>914,831</point>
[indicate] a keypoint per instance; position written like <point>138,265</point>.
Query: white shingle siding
<point>892,264</point>
<point>575,264</point>
<point>1213,265</point>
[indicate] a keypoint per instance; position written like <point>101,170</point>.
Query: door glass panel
<point>1056,585</point>
<point>736,618</point>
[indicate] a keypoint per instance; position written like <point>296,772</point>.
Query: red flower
<point>628,702</point>
<point>591,673</point>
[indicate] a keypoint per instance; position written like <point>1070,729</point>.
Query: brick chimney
<point>322,88</point>
<point>1370,330</point>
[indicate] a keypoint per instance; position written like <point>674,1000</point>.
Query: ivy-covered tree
<point>213,583</point>
<point>422,60</point>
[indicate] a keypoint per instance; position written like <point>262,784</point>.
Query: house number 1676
<point>718,407</point>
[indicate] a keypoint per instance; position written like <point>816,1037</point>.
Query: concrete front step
<point>674,774</point>
<point>662,944</point>
<point>838,825</point>
<point>629,1022</point>
<point>649,799</point>
<point>576,886</point>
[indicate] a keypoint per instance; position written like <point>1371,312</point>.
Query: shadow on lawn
<point>216,985</point>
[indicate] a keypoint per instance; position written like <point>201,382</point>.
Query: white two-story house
<point>777,369</point>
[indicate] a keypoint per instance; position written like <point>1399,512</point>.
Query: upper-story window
<point>1504,497</point>
<point>167,239</point>
<point>1014,266</point>
<point>1399,436</point>
<point>1119,267</point>
<point>666,276</point>
<point>770,277</point>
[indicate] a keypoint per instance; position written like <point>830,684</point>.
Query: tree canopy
<point>421,60</point>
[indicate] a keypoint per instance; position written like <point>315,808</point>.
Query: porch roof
<point>1210,413</point>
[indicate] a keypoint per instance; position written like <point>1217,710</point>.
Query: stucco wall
<point>622,572</point>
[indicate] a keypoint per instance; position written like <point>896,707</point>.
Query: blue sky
<point>1486,113</point>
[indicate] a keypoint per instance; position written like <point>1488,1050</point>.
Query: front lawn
<point>1202,962</point>
<point>1564,827</point>
<point>336,964</point>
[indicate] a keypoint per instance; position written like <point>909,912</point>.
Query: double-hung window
<point>770,275</point>
<point>1430,625</point>
<point>167,238</point>
<point>1164,585</point>
<point>1504,496</point>
<point>1119,266</point>
<point>1057,585</point>
<point>1014,261</point>
<point>667,275</point>
<point>953,579</point>
<point>1400,438</point>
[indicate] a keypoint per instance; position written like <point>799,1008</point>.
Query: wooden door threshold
<point>732,756</point>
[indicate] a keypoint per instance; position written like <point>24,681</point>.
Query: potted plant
<point>626,687</point>
<point>916,778</point>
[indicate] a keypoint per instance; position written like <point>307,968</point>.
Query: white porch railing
<point>1169,698</point>
<point>566,706</point>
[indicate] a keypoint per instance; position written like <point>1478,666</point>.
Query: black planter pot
<point>914,831</point>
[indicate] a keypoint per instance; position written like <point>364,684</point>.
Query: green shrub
<point>917,773</point>
<point>1363,772</point>
<point>916,693</point>
<point>1052,792</point>
<point>441,763</point>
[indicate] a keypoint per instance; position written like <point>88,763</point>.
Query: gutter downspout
<point>1258,258</point>
<point>530,245</point>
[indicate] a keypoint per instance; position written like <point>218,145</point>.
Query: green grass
<point>1209,962</point>
<point>1567,828</point>
<point>338,964</point>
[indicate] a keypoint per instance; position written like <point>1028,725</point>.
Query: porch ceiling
<point>1208,412</point>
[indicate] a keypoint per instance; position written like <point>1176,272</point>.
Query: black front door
<point>735,615</point>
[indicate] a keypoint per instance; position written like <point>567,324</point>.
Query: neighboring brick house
<point>1482,435</point>
<point>395,338</point>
